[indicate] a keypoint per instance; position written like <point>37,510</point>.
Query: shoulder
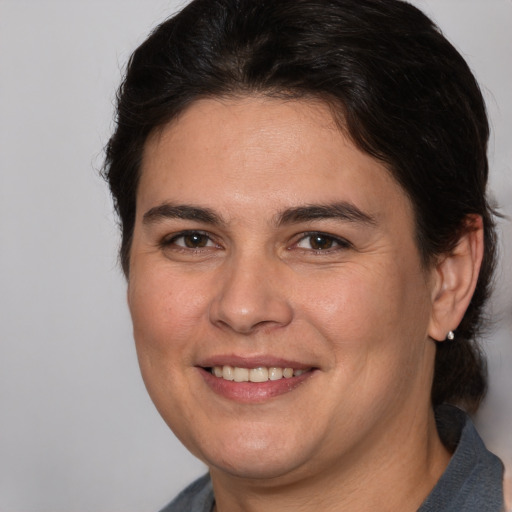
<point>197,497</point>
<point>473,480</point>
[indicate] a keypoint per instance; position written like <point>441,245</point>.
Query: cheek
<point>166,314</point>
<point>378,309</point>
<point>165,309</point>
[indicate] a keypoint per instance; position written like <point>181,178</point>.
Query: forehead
<point>263,154</point>
<point>260,126</point>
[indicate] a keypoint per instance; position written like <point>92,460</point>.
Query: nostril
<point>250,314</point>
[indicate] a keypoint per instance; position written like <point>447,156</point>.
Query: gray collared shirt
<point>473,480</point>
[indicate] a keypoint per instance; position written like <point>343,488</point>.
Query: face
<point>279,304</point>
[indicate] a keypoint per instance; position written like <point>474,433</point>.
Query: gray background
<point>77,431</point>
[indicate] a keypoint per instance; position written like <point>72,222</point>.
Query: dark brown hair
<point>399,89</point>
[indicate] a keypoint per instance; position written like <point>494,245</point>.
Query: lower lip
<point>253,392</point>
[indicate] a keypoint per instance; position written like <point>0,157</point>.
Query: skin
<point>358,307</point>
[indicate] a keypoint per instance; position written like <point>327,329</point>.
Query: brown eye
<point>191,240</point>
<point>195,240</point>
<point>321,242</point>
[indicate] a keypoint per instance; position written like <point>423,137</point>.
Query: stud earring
<point>450,336</point>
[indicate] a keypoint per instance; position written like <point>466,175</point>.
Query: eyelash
<point>338,243</point>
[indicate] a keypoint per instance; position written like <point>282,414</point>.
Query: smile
<point>260,374</point>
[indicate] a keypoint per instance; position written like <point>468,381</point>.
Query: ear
<point>455,278</point>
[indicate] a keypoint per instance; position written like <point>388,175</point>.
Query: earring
<point>450,336</point>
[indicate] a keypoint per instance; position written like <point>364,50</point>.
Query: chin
<point>255,468</point>
<point>253,457</point>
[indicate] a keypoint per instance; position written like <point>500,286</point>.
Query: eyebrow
<point>342,210</point>
<point>182,211</point>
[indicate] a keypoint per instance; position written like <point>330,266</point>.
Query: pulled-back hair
<point>395,85</point>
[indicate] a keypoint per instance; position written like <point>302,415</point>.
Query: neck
<point>383,475</point>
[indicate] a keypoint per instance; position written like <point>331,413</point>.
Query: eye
<point>191,240</point>
<point>321,242</point>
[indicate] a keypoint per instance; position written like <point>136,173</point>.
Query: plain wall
<point>77,430</point>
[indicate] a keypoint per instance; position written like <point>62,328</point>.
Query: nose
<point>251,295</point>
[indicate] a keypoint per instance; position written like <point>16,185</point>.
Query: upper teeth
<point>260,374</point>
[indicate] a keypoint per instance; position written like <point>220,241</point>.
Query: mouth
<point>256,375</point>
<point>253,382</point>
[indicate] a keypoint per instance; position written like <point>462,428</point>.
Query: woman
<point>302,192</point>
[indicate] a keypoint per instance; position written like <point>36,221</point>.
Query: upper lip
<point>266,361</point>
